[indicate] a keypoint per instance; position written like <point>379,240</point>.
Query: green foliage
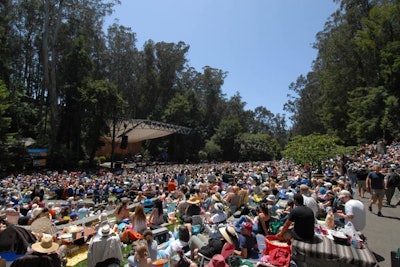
<point>5,121</point>
<point>353,89</point>
<point>366,113</point>
<point>225,136</point>
<point>257,147</point>
<point>312,149</point>
<point>102,103</point>
<point>212,150</point>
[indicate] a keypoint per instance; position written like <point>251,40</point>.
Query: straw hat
<point>105,230</point>
<point>193,200</point>
<point>42,225</point>
<point>216,197</point>
<point>74,229</point>
<point>36,212</point>
<point>228,233</point>
<point>218,261</point>
<point>45,245</point>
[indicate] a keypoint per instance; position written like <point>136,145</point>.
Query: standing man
<point>376,186</point>
<point>354,210</point>
<point>392,181</point>
<point>361,174</point>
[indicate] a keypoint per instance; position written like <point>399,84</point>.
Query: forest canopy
<point>63,77</point>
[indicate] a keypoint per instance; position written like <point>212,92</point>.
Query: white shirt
<point>218,217</point>
<point>357,209</point>
<point>103,248</point>
<point>175,246</point>
<point>311,203</point>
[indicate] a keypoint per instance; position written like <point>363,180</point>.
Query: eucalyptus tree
<point>100,98</point>
<point>5,47</point>
<point>170,63</point>
<point>122,64</point>
<point>147,81</point>
<point>339,66</point>
<point>235,108</point>
<point>305,106</point>
<point>211,102</point>
<point>257,147</point>
<point>226,135</point>
<point>61,23</point>
<point>75,71</point>
<point>379,43</point>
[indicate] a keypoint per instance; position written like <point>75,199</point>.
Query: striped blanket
<point>325,251</point>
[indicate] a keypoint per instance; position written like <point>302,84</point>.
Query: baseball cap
<point>344,193</point>
<point>247,225</point>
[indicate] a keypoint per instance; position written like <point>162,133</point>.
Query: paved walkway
<point>383,233</point>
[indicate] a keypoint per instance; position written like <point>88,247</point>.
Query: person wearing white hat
<point>104,248</point>
<point>354,210</point>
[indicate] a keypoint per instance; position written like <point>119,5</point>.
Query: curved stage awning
<point>140,130</point>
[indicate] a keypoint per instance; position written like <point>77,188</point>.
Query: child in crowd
<point>141,257</point>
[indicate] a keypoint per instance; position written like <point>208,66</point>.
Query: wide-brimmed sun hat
<point>193,200</point>
<point>45,245</point>
<point>228,233</point>
<point>217,197</point>
<point>42,225</point>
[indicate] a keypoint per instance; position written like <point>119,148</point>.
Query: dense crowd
<point>243,199</point>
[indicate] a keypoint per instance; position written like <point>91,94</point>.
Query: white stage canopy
<point>140,130</point>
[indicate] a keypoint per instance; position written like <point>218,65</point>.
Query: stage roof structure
<point>140,130</point>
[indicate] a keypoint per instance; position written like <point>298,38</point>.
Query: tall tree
<point>122,64</point>
<point>102,101</point>
<point>305,106</point>
<point>76,69</point>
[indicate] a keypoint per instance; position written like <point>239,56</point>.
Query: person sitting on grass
<point>303,219</point>
<point>141,257</point>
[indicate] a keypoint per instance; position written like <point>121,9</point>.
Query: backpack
<point>394,180</point>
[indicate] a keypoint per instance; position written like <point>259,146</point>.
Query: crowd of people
<point>236,201</point>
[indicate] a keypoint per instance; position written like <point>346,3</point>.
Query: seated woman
<point>262,226</point>
<point>157,213</point>
<point>121,212</point>
<point>138,219</point>
<point>141,257</point>
<point>261,222</point>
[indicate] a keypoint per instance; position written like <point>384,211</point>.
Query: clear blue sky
<point>264,45</point>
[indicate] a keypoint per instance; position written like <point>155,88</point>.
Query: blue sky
<point>264,45</point>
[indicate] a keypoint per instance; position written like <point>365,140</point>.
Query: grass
<point>123,262</point>
<point>126,251</point>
